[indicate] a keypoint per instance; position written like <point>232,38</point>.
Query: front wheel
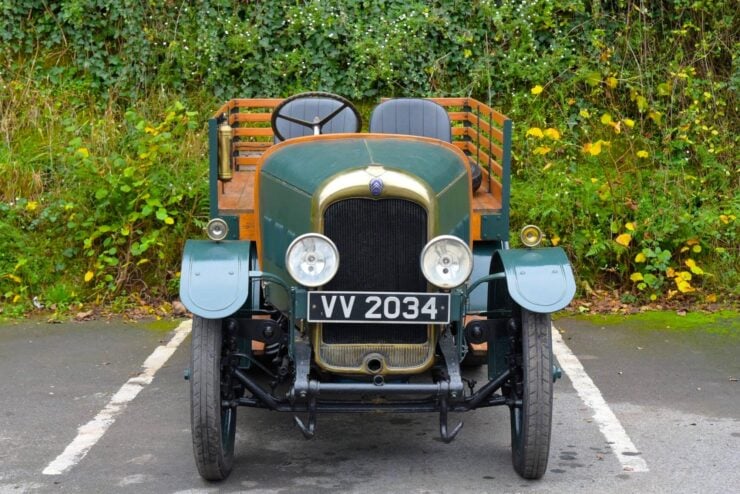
<point>213,423</point>
<point>531,415</point>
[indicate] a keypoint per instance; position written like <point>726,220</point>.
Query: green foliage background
<point>103,106</point>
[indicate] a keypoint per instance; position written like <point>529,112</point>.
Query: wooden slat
<point>247,160</point>
<point>252,131</point>
<point>249,117</point>
<point>458,116</point>
<point>256,102</point>
<point>475,222</point>
<point>249,146</point>
<point>248,226</point>
<point>452,101</point>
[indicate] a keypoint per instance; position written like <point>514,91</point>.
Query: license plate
<point>379,307</point>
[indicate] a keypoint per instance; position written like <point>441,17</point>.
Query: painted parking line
<point>89,434</point>
<point>608,423</point>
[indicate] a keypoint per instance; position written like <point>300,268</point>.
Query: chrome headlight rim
<point>466,263</point>
<point>531,236</point>
<point>217,229</point>
<point>332,261</point>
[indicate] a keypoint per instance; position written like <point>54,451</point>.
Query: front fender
<point>540,280</point>
<point>214,278</point>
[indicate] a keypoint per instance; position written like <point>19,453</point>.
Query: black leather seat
<point>411,116</point>
<point>313,110</point>
<point>417,117</point>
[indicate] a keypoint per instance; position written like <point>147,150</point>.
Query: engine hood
<point>306,163</point>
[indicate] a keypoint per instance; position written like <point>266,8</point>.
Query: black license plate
<point>379,307</point>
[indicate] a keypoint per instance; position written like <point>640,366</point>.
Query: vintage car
<point>351,271</point>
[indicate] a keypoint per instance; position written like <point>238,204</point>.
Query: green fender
<point>540,280</point>
<point>214,278</point>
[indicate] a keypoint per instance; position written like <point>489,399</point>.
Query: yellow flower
<point>88,276</point>
<point>691,264</point>
<point>593,148</point>
<point>535,132</point>
<point>611,82</point>
<point>624,239</point>
<point>711,298</point>
<point>32,206</point>
<point>552,134</point>
<point>606,119</point>
<point>537,89</point>
<point>642,153</point>
<point>542,150</point>
<point>684,286</point>
<point>629,122</point>
<point>83,152</point>
<point>584,114</point>
<point>636,277</point>
<point>640,257</point>
<point>554,240</point>
<point>630,226</point>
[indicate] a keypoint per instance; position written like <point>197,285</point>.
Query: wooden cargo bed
<point>482,133</point>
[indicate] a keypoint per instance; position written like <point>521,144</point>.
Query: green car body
<point>382,199</point>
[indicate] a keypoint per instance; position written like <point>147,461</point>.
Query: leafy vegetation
<point>625,118</point>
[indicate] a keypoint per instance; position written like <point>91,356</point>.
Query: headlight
<point>312,259</point>
<point>217,229</point>
<point>531,236</point>
<point>446,261</point>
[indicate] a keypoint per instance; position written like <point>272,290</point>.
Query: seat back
<point>411,116</point>
<point>312,109</point>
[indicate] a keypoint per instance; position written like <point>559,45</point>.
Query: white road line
<point>90,433</point>
<point>608,423</point>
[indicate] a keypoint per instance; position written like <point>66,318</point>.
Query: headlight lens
<point>312,259</point>
<point>446,261</point>
<point>217,229</point>
<point>531,236</point>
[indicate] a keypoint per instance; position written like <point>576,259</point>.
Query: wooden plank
<point>251,146</point>
<point>475,222</point>
<point>237,195</point>
<point>256,102</point>
<point>248,226</point>
<point>485,201</point>
<point>452,101</point>
<point>249,117</point>
<point>459,116</point>
<point>247,160</point>
<point>252,131</point>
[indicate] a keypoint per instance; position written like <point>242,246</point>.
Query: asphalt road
<point>674,394</point>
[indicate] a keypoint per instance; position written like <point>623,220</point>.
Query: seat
<point>411,116</point>
<point>418,117</point>
<point>313,108</point>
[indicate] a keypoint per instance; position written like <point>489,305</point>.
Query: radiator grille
<point>379,243</point>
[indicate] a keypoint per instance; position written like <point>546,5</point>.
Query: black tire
<point>213,425</point>
<point>531,423</point>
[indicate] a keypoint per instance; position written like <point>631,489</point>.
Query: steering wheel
<point>335,106</point>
